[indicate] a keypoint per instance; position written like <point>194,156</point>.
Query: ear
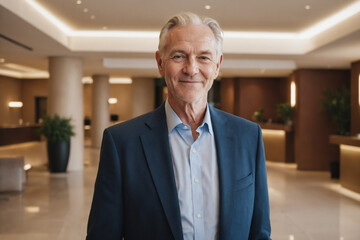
<point>218,66</point>
<point>159,63</point>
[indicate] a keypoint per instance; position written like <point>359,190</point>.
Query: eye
<point>204,59</point>
<point>177,58</point>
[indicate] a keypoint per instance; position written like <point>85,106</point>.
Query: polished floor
<point>304,205</point>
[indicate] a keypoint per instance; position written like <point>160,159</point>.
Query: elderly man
<point>185,170</point>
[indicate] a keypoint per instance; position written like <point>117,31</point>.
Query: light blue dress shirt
<point>196,176</point>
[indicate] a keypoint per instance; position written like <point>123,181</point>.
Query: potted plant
<point>58,132</point>
<point>285,112</point>
<point>336,105</point>
<point>259,116</point>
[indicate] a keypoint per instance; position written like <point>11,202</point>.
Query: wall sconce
<point>112,100</point>
<point>15,104</point>
<point>292,94</point>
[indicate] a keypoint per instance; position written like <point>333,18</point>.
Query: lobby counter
<point>278,142</point>
<point>18,134</point>
<point>349,161</point>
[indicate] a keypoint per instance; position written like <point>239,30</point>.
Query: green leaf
<point>336,105</point>
<point>56,128</point>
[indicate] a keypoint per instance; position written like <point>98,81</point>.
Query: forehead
<point>193,36</point>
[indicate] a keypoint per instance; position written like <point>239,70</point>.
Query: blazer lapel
<point>225,154</point>
<point>156,147</point>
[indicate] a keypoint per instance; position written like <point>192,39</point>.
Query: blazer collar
<point>157,151</point>
<point>224,142</point>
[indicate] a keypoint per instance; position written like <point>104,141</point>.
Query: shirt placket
<point>197,191</point>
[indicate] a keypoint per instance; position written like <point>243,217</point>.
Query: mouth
<point>189,81</point>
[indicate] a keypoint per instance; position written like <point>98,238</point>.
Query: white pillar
<point>66,100</point>
<point>100,108</point>
<point>143,96</point>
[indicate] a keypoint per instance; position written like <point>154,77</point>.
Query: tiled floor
<point>304,205</point>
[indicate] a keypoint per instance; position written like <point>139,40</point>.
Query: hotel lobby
<point>285,65</point>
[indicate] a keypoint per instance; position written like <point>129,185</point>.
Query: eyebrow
<point>177,51</point>
<point>204,52</point>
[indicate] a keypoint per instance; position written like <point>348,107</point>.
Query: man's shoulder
<point>231,120</point>
<point>138,124</point>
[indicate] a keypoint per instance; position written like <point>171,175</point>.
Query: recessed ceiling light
<point>92,17</point>
<point>85,10</point>
<point>78,2</point>
<point>307,7</point>
<point>207,7</point>
<point>2,60</point>
<point>104,27</point>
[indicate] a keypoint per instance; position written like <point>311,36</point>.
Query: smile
<point>189,81</point>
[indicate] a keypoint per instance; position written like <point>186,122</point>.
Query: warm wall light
<point>120,80</point>
<point>293,94</point>
<point>87,80</point>
<point>112,100</point>
<point>15,104</point>
<point>27,166</point>
<point>32,209</point>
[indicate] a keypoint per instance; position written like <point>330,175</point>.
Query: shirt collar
<point>172,119</point>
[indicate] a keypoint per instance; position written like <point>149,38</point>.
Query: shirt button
<point>193,150</point>
<point>185,127</point>
<point>196,180</point>
<point>198,215</point>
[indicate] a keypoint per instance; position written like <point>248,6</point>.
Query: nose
<point>191,67</point>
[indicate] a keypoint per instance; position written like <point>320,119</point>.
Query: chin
<point>191,99</point>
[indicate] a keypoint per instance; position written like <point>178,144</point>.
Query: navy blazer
<point>135,193</point>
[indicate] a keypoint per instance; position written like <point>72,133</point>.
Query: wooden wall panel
<point>252,94</point>
<point>227,95</point>
<point>355,108</point>
<point>311,127</point>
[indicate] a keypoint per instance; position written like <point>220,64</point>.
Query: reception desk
<point>349,161</point>
<point>18,134</point>
<point>278,142</point>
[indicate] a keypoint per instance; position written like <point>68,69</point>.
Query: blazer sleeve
<point>106,214</point>
<point>260,225</point>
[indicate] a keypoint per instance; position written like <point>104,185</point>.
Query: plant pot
<point>58,155</point>
<point>335,170</point>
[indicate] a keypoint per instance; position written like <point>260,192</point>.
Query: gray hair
<point>186,18</point>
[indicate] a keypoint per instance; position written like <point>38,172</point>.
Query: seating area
<point>12,174</point>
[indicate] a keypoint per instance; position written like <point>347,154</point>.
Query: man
<point>185,170</point>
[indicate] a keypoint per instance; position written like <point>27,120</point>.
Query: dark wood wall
<point>355,107</point>
<point>227,95</point>
<point>311,127</point>
<point>252,94</point>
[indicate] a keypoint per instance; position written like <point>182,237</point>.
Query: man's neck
<point>190,113</point>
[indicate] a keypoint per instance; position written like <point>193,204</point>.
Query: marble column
<point>100,108</point>
<point>143,96</point>
<point>66,100</point>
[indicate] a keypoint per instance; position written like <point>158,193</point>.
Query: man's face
<point>189,62</point>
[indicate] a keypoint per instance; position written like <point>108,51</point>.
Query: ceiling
<point>261,38</point>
